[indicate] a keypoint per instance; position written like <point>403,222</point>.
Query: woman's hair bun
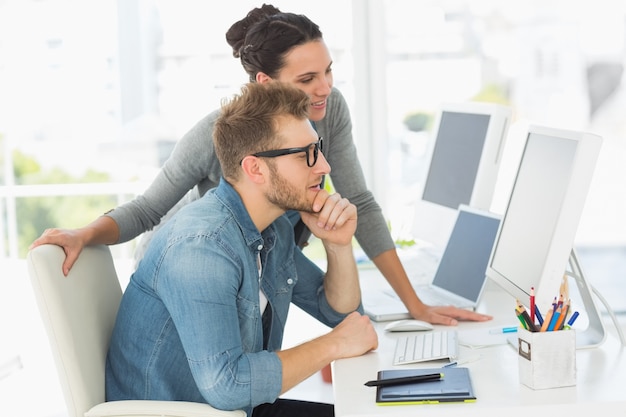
<point>236,35</point>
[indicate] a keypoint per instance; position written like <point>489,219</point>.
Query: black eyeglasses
<point>312,151</point>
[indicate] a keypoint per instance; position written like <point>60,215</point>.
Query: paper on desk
<point>483,337</point>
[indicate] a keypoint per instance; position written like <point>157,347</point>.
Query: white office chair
<point>78,312</point>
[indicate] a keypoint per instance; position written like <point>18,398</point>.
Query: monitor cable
<point>609,310</point>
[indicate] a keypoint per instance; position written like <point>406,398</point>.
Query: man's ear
<point>262,78</point>
<point>254,169</point>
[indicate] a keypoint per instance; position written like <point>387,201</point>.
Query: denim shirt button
<point>290,281</point>
<point>259,247</point>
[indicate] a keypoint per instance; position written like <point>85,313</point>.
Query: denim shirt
<point>189,326</point>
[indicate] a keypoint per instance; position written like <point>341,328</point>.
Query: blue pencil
<point>554,319</point>
<point>572,320</point>
<point>538,315</point>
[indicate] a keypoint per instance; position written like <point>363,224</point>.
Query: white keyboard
<point>426,346</point>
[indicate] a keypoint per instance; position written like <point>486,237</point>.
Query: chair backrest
<point>78,312</point>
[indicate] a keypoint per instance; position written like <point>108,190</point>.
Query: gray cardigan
<point>193,168</point>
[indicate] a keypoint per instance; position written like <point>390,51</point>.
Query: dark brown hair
<point>249,122</point>
<point>263,38</point>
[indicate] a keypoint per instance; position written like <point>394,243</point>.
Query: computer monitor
<point>534,245</point>
<point>464,157</point>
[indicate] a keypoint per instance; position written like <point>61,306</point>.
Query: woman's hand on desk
<point>449,316</point>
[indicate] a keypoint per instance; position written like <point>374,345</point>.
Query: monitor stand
<point>594,334</point>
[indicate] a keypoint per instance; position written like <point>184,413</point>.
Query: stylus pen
<point>404,380</point>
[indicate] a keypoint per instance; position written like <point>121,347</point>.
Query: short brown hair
<point>248,123</point>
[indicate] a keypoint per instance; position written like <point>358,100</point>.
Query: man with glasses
<point>202,318</point>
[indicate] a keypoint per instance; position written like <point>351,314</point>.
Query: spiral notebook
<point>455,386</point>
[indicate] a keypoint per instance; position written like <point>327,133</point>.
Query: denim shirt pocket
<point>249,324</point>
<point>279,289</point>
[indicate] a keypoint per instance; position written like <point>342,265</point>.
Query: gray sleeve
<point>192,163</point>
<point>347,176</point>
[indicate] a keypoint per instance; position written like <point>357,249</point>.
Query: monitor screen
<point>464,157</point>
<point>538,228</point>
<point>456,158</point>
<point>461,270</point>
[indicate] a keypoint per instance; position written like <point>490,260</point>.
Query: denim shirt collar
<point>232,201</point>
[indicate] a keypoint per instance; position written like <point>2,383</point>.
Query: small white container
<point>547,359</point>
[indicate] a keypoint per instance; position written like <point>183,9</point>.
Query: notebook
<point>455,386</point>
<point>459,278</point>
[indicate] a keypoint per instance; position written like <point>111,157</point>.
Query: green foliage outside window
<point>418,121</point>
<point>35,214</point>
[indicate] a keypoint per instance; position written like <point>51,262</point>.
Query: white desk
<point>600,386</point>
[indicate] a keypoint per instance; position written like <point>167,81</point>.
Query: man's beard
<point>284,195</point>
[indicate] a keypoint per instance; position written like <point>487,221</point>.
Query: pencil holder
<point>547,359</point>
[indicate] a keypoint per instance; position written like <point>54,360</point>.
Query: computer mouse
<point>409,325</point>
